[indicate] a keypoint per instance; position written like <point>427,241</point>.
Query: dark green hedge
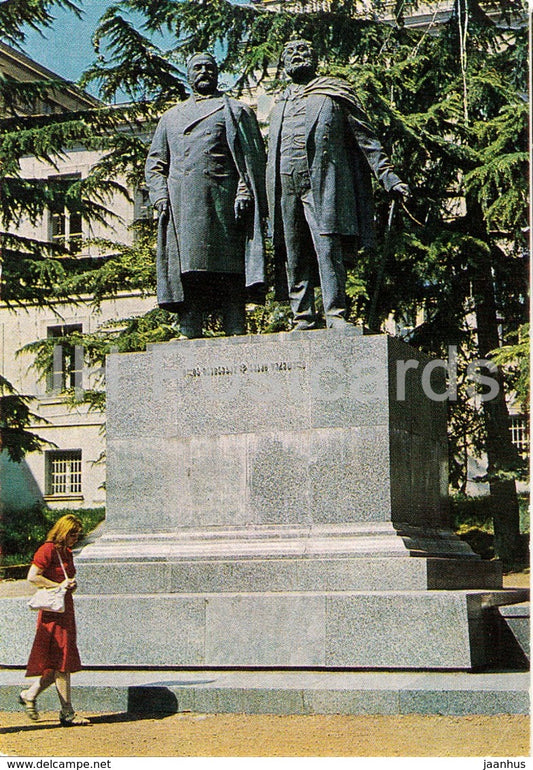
<point>23,532</point>
<point>471,520</point>
<point>475,512</point>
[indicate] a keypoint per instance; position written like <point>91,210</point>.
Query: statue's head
<point>299,60</point>
<point>202,73</point>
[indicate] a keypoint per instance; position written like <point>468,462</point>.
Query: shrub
<point>475,512</point>
<point>471,520</point>
<point>21,533</point>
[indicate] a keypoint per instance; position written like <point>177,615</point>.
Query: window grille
<point>142,208</point>
<point>63,472</point>
<point>520,433</point>
<point>64,224</point>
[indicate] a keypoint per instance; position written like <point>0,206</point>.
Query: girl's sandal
<point>72,720</point>
<point>30,708</point>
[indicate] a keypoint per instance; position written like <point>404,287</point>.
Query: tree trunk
<point>502,454</point>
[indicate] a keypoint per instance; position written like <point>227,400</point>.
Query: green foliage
<point>500,180</point>
<point>27,199</point>
<point>32,270</point>
<point>121,336</point>
<point>130,268</point>
<point>471,519</point>
<point>22,532</point>
<point>35,270</point>
<point>150,74</point>
<point>16,15</point>
<point>452,116</point>
<point>466,426</point>
<point>411,84</point>
<point>514,359</point>
<point>467,511</point>
<point>269,318</point>
<point>15,419</point>
<point>15,96</point>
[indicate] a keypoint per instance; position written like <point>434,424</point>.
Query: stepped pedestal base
<point>279,502</point>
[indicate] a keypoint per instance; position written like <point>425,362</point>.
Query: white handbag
<point>50,599</point>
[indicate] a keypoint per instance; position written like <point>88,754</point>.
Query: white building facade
<point>70,472</point>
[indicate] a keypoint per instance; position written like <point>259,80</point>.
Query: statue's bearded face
<point>203,75</point>
<point>299,58</point>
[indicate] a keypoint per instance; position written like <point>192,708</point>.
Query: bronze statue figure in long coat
<point>321,152</point>
<point>205,174</point>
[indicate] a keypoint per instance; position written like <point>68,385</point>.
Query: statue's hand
<point>401,190</point>
<point>162,207</point>
<point>242,205</point>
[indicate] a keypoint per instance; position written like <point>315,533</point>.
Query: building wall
<point>79,161</point>
<point>69,429</point>
<point>16,65</point>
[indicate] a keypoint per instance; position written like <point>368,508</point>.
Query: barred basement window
<point>520,433</point>
<point>63,472</point>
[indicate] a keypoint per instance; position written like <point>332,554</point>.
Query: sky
<point>66,47</point>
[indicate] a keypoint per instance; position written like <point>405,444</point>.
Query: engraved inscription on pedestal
<point>290,430</point>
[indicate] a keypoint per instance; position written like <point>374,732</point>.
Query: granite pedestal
<point>284,692</point>
<point>281,501</point>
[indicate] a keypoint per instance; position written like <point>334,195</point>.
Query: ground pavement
<point>117,733</point>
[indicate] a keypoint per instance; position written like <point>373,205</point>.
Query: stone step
<point>359,573</point>
<point>355,540</point>
<point>218,691</point>
<point>342,629</point>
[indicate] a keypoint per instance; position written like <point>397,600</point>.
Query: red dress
<point>55,645</point>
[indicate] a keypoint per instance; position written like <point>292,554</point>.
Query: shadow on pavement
<point>151,700</point>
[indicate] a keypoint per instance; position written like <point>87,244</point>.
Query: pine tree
<point>18,198</point>
<point>40,272</point>
<point>448,101</point>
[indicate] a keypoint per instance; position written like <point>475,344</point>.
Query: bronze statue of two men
<point>207,172</point>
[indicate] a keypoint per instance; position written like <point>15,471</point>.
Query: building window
<point>66,371</point>
<point>64,223</point>
<point>520,433</point>
<point>142,208</point>
<point>63,472</point>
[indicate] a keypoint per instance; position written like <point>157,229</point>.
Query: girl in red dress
<point>54,655</point>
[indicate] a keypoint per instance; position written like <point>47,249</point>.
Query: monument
<point>280,501</point>
<point>205,172</point>
<point>322,151</point>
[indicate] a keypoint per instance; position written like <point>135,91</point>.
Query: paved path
<point>252,735</point>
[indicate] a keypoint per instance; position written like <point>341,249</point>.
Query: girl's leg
<point>62,681</point>
<point>27,697</point>
<point>67,715</point>
<point>45,680</point>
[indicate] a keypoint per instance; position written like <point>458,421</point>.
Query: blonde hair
<point>63,527</point>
